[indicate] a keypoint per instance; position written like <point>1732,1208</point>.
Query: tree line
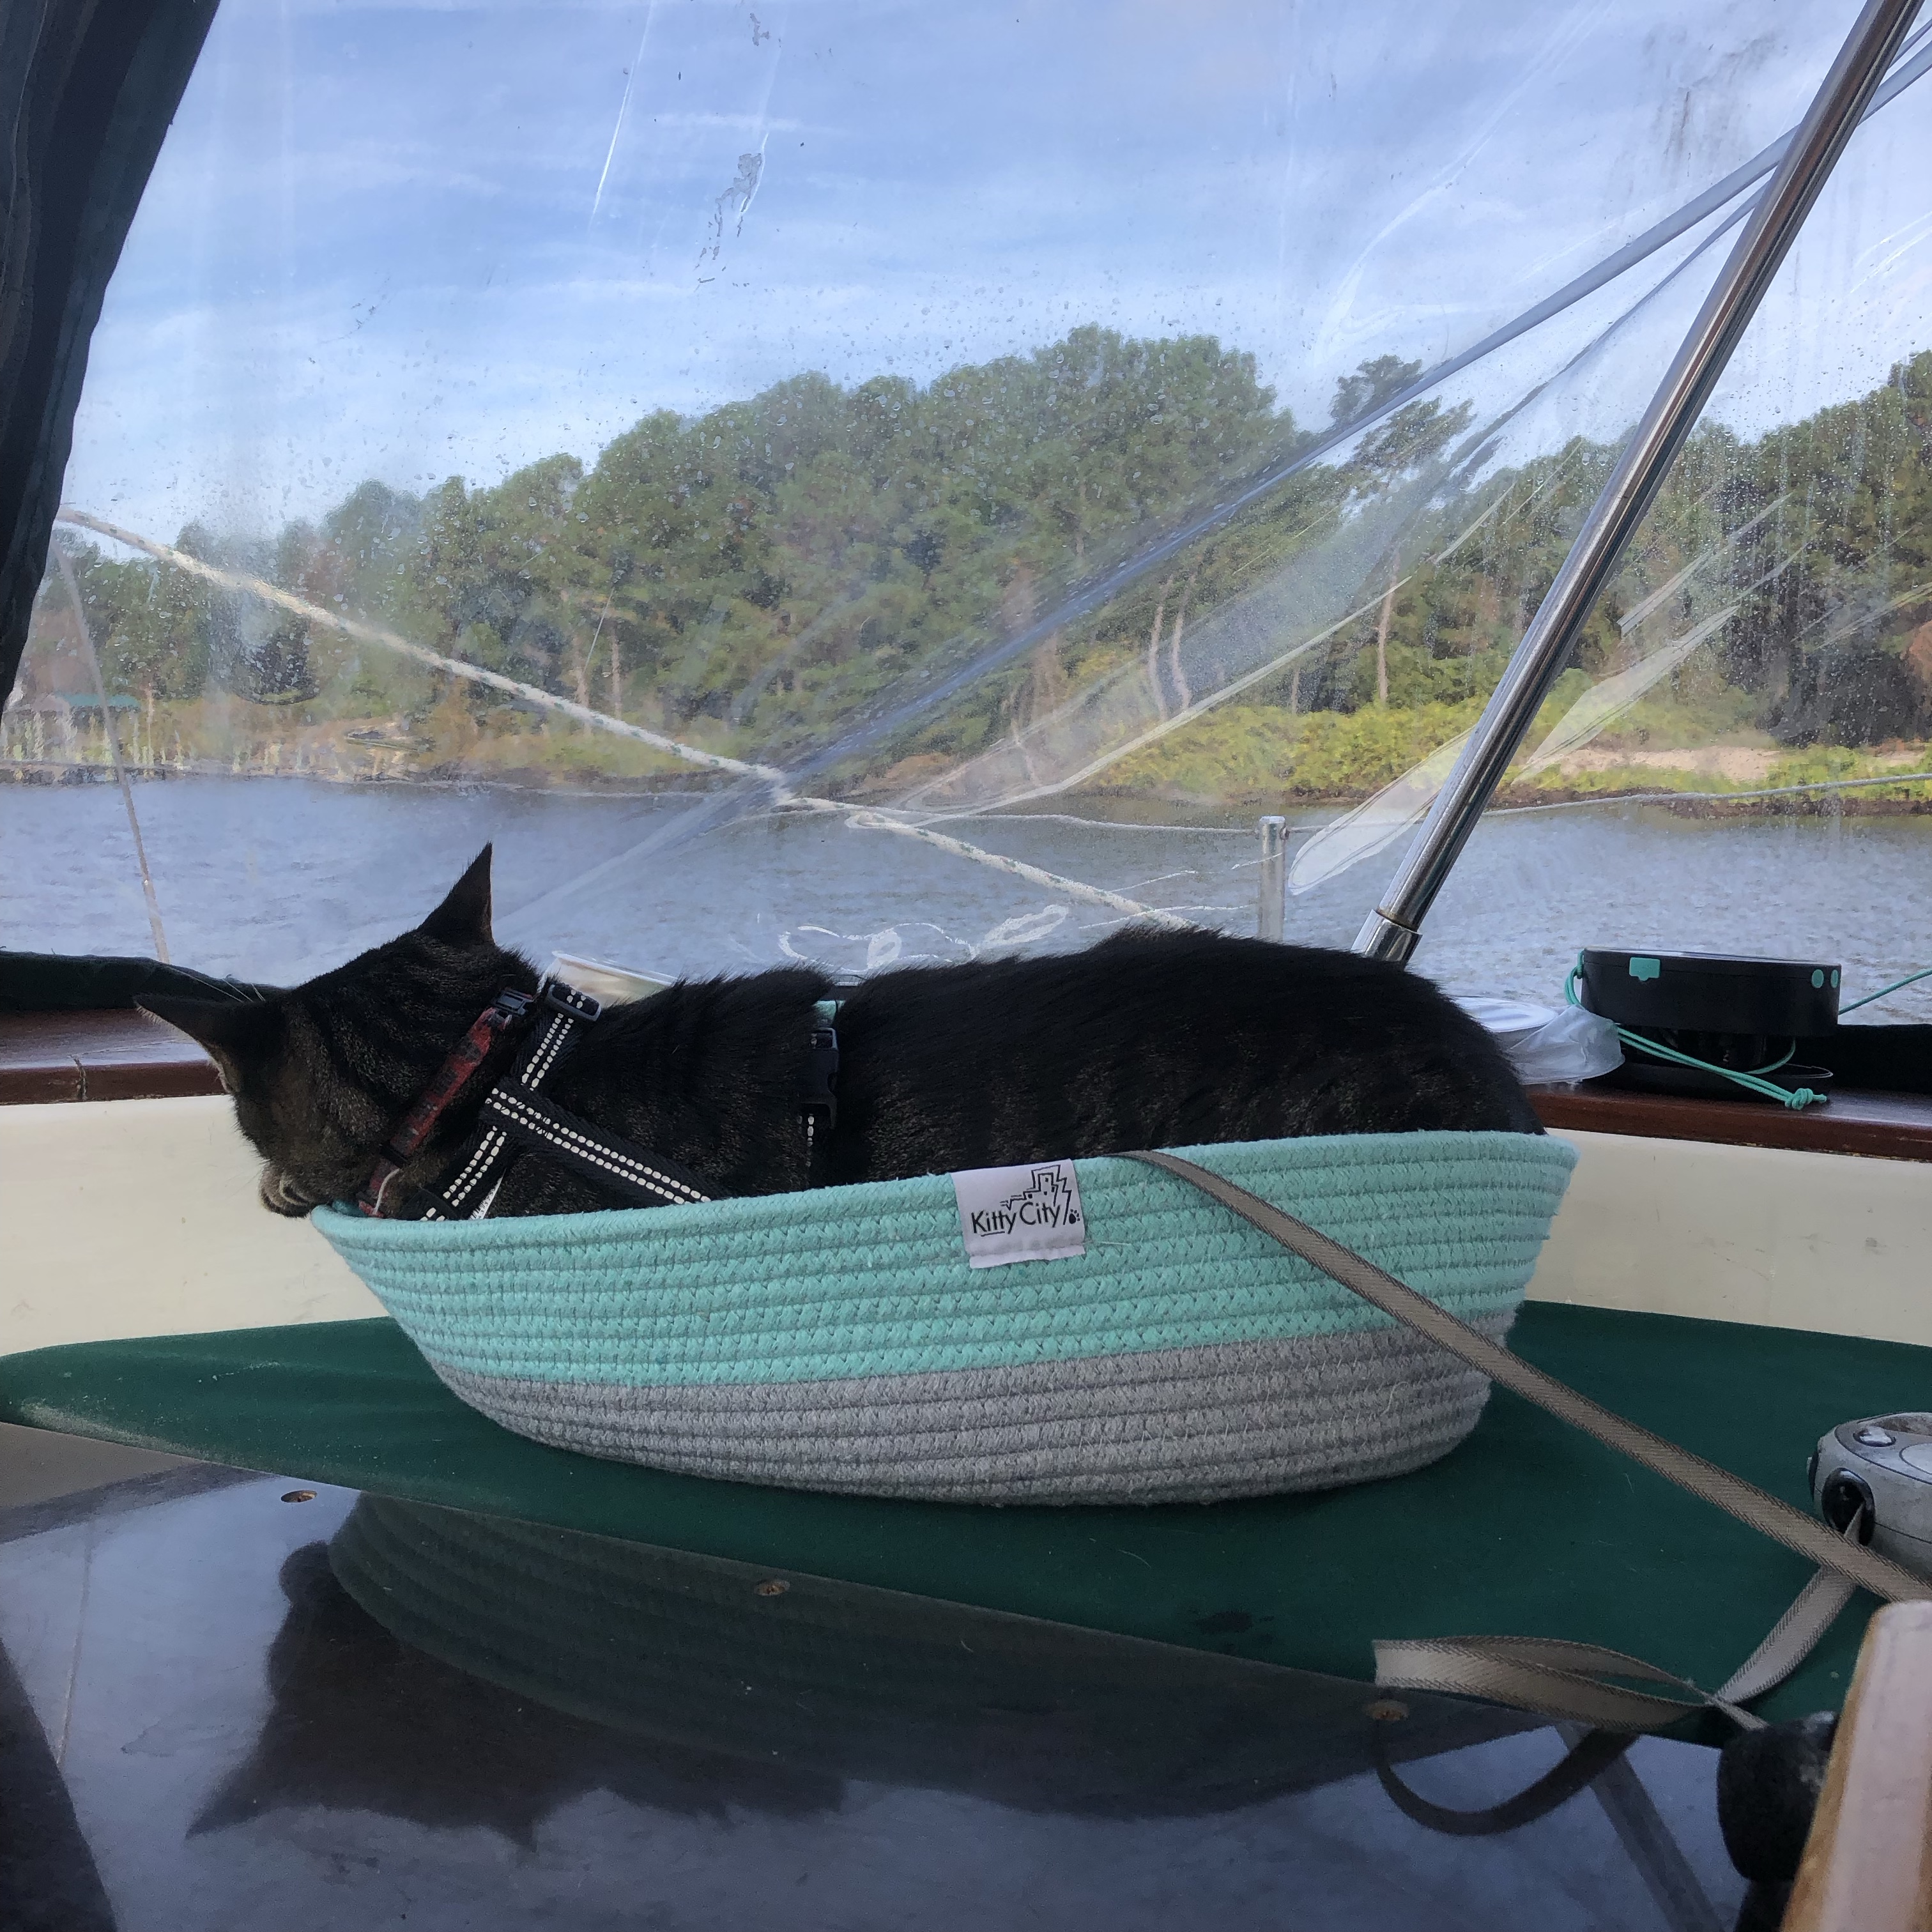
<point>755,575</point>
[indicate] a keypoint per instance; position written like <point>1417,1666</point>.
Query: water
<point>276,879</point>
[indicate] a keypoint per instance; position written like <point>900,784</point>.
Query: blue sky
<point>407,241</point>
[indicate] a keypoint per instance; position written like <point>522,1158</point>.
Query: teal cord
<point>1924,974</point>
<point>1793,1097</point>
<point>1790,1096</point>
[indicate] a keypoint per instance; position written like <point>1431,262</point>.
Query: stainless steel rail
<point>1392,929</point>
<point>1271,904</point>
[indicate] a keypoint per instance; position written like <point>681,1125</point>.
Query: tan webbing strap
<point>1813,1612</point>
<point>1576,1680</point>
<point>1546,1675</point>
<point>1563,1679</point>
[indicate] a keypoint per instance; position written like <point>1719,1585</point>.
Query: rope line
<point>1924,973</point>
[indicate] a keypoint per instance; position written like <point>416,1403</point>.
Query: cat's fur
<point>1146,1040</point>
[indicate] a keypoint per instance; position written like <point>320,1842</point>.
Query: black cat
<point>1146,1040</point>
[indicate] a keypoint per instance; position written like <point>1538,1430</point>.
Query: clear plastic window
<point>875,482</point>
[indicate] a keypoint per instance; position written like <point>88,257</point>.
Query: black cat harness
<point>519,1118</point>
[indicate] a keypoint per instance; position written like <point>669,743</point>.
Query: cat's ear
<point>235,1034</point>
<point>463,918</point>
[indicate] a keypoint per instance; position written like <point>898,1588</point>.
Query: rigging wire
<point>73,588</point>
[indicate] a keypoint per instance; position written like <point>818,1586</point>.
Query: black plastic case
<point>1710,992</point>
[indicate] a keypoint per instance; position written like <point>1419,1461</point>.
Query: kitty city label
<point>1029,1214</point>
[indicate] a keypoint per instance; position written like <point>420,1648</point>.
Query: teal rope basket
<point>837,1340</point>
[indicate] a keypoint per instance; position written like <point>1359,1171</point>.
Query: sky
<point>410,240</point>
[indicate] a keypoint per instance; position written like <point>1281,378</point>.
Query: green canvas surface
<point>1528,1529</point>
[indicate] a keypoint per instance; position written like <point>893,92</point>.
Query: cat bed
<point>843,1339</point>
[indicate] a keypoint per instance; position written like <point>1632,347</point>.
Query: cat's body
<point>1146,1040</point>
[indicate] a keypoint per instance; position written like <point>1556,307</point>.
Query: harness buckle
<point>567,1000</point>
<point>510,1006</point>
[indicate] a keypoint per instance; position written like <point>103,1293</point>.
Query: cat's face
<point>320,1074</point>
<point>316,1132</point>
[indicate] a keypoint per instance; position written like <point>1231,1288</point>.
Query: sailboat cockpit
<point>852,487</point>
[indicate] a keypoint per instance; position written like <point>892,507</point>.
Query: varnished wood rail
<point>116,1055</point>
<point>1867,1865</point>
<point>1889,1127</point>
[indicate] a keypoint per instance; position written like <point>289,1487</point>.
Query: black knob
<point>1767,1786</point>
<point>1843,1496</point>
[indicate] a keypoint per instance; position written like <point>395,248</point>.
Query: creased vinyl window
<point>867,484</point>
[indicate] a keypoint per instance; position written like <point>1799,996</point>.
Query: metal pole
<point>1271,908</point>
<point>1391,930</point>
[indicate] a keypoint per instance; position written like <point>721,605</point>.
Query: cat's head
<point>320,1073</point>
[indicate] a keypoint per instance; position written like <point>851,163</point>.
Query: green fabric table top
<point>1529,1529</point>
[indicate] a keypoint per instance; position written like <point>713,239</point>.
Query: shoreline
<point>1861,796</point>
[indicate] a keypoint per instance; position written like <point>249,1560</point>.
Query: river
<point>276,879</point>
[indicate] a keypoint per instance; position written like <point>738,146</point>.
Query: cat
<point>1148,1039</point>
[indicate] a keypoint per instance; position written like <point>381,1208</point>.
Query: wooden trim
<point>1892,1126</point>
<point>1867,1865</point>
<point>120,1053</point>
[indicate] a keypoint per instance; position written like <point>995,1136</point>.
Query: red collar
<point>430,1104</point>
